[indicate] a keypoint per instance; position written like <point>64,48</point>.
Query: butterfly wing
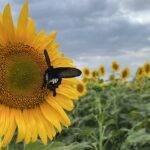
<point>67,72</point>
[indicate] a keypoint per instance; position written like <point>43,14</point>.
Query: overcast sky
<point>95,32</point>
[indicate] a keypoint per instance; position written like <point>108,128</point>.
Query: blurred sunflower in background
<point>140,73</point>
<point>115,66</point>
<point>147,68</point>
<point>112,77</point>
<point>26,107</point>
<point>101,70</point>
<point>125,73</point>
<point>94,74</point>
<point>81,88</point>
<point>85,80</point>
<point>86,72</point>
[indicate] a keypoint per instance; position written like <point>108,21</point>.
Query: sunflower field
<point>43,106</point>
<point>112,115</point>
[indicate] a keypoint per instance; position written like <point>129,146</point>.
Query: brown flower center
<point>115,66</point>
<point>87,72</point>
<point>80,88</point>
<point>21,76</point>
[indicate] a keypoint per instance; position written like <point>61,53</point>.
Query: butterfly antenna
<point>47,58</point>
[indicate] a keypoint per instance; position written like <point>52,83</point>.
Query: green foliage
<point>112,116</point>
<point>56,146</point>
<point>115,115</point>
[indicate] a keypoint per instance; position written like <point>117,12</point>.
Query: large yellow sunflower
<point>26,107</point>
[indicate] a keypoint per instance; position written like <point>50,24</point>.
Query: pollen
<point>21,76</point>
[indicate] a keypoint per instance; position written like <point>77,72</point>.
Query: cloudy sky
<point>95,32</point>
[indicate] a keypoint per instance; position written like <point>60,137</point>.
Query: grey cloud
<point>137,5</point>
<point>92,27</point>
<point>108,32</point>
<point>108,38</point>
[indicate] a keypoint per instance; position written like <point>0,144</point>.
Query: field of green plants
<point>113,115</point>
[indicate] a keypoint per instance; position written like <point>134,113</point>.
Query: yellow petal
<point>53,51</point>
<point>38,38</point>
<point>62,62</point>
<point>20,124</point>
<point>51,131</point>
<point>48,127</point>
<point>64,102</point>
<point>31,31</point>
<point>48,40</point>
<point>22,22</point>
<point>8,24</point>
<point>10,131</point>
<point>68,91</point>
<point>40,126</point>
<point>31,26</point>
<point>64,118</point>
<point>3,37</point>
<point>2,33</point>
<point>53,46</point>
<point>4,120</point>
<point>51,115</point>
<point>33,125</point>
<point>48,131</point>
<point>41,43</point>
<point>1,17</point>
<point>28,129</point>
<point>71,81</point>
<point>1,108</point>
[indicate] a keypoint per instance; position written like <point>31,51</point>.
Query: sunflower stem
<point>100,123</point>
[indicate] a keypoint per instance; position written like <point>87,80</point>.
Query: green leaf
<point>140,136</point>
<point>35,146</point>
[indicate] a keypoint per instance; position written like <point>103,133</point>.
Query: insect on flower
<point>53,76</point>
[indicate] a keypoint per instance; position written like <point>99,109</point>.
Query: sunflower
<point>26,107</point>
<point>125,73</point>
<point>140,73</point>
<point>112,77</point>
<point>85,80</point>
<point>94,74</point>
<point>81,88</point>
<point>86,72</point>
<point>101,70</point>
<point>147,68</point>
<point>115,66</point>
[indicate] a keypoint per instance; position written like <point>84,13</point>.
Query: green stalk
<point>100,123</point>
<point>16,146</point>
<point>101,137</point>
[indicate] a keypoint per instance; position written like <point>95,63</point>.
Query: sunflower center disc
<point>22,70</point>
<point>80,88</point>
<point>23,75</point>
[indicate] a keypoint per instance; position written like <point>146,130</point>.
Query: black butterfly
<point>53,76</point>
